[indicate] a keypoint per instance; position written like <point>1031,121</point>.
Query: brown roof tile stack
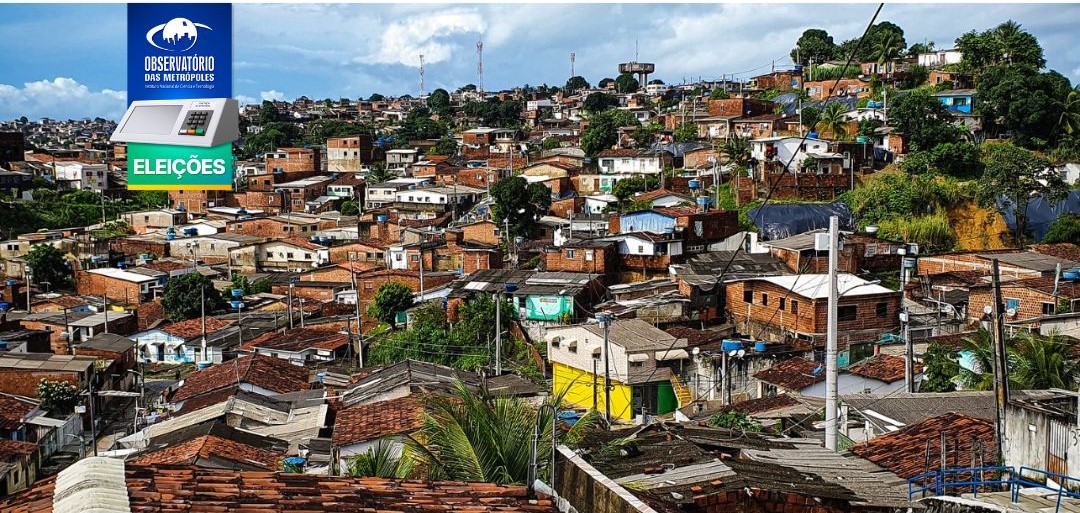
<point>165,488</point>
<point>205,447</point>
<point>793,374</point>
<point>904,452</point>
<point>273,374</point>
<point>193,327</point>
<point>883,367</point>
<point>365,422</point>
<point>299,339</point>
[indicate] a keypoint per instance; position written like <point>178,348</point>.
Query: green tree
<point>626,83</point>
<point>606,83</point>
<point>378,174</point>
<point>439,102</point>
<point>602,132</point>
<point>834,120</point>
<point>182,297</point>
<point>1019,100</point>
<point>58,398</point>
<point>520,202</point>
<point>349,208</point>
<point>718,93</point>
<point>917,48</point>
<point>376,97</point>
<point>390,298</point>
<point>960,159</point>
<point>923,121</point>
<point>1068,123</point>
<point>626,188</point>
<point>479,437</point>
<point>383,460</point>
<point>810,117</point>
<point>737,151</point>
<point>1043,362</point>
<point>1066,228</point>
<point>268,112</point>
<point>576,83</point>
<point>878,34</point>
<point>445,146</point>
<point>941,365</point>
<point>917,75</point>
<point>599,102</point>
<point>551,143</point>
<point>1007,43</point>
<point>686,132</point>
<point>150,200</point>
<point>1014,175</point>
<point>418,125</point>
<point>814,45</point>
<point>47,264</point>
<point>867,127</point>
<point>887,48</point>
<point>241,282</point>
<point>736,420</point>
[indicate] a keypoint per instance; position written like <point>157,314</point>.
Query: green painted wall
<point>547,308</point>
<point>666,402</point>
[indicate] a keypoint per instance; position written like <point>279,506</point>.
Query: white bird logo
<point>172,31</point>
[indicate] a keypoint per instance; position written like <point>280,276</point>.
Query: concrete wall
<point>585,489</point>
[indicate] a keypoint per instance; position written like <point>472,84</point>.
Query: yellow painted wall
<point>579,387</point>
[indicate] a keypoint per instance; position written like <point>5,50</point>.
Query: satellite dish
<point>733,353</point>
<point>740,353</point>
<point>1011,312</point>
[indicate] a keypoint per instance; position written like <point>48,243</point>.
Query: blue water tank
<point>121,264</point>
<point>703,201</point>
<point>191,231</point>
<point>5,306</point>
<point>695,185</point>
<point>510,287</point>
<point>760,346</point>
<point>323,239</point>
<point>202,365</point>
<point>170,235</point>
<point>812,135</point>
<point>238,292</point>
<point>381,218</point>
<point>1070,275</point>
<point>731,345</point>
<point>236,304</point>
<point>11,283</point>
<point>909,263</point>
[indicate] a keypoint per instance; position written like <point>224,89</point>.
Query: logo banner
<point>179,52</point>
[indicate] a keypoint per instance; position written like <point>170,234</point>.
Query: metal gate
<point>1057,449</point>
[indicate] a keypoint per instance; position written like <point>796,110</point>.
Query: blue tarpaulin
<point>786,220</point>
<point>1040,213</point>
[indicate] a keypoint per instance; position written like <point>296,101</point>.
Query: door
<point>1057,446</point>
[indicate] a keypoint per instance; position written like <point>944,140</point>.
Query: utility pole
<point>831,370</point>
<point>498,333</point>
<point>359,327</point>
<point>1001,367</point>
<point>605,321</point>
<point>909,346</point>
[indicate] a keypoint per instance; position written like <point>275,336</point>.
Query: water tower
<point>641,69</point>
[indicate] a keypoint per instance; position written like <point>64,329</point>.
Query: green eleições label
<point>163,167</point>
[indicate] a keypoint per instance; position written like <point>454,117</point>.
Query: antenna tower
<point>573,57</point>
<point>421,75</point>
<point>480,67</point>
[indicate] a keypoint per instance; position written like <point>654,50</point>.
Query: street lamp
<point>605,320</point>
<point>29,278</point>
<point>292,283</point>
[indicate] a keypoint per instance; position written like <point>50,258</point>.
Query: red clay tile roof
<point>762,404</point>
<point>14,447</point>
<point>63,302</point>
<point>193,327</point>
<point>205,447</point>
<point>267,372</point>
<point>1063,250</point>
<point>175,489</point>
<point>659,193</point>
<point>301,243</point>
<point>678,211</point>
<point>904,452</point>
<point>883,367</point>
<point>13,410</point>
<point>364,422</point>
<point>299,339</point>
<point>167,266</point>
<point>624,152</point>
<point>793,374</point>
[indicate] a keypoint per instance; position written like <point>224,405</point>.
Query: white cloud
<point>404,40</point>
<point>272,95</point>
<point>245,100</point>
<point>60,98</point>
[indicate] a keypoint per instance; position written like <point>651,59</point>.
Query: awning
<point>638,357</point>
<point>672,354</point>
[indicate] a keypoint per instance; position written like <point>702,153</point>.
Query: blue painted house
<point>957,100</point>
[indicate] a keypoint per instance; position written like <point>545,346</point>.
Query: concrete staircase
<point>682,393</point>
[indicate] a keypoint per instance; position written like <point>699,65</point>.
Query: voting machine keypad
<point>196,122</point>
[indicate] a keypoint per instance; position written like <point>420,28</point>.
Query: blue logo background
<point>215,41</point>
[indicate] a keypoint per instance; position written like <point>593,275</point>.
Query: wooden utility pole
<point>1001,367</point>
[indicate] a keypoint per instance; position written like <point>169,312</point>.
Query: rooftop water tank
<point>812,135</point>
<point>731,345</point>
<point>236,304</point>
<point>695,184</point>
<point>760,346</point>
<point>381,218</point>
<point>862,139</point>
<point>238,292</point>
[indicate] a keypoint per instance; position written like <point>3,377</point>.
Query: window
<point>369,286</point>
<point>1012,303</point>
<point>588,255</point>
<point>640,249</point>
<point>288,255</point>
<point>572,347</point>
<point>748,296</point>
<point>416,258</point>
<point>1048,308</point>
<point>881,309</point>
<point>783,303</point>
<point>269,254</point>
<point>847,313</point>
<point>555,342</point>
<point>569,253</point>
<point>307,256</point>
<point>596,354</point>
<point>637,364</point>
<point>764,299</point>
<point>794,306</point>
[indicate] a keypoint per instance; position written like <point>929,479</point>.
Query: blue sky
<point>68,60</point>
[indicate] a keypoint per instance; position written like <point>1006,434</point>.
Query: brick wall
<point>603,261</point>
<point>809,186</point>
<point>473,261</point>
<point>196,201</point>
<point>1030,300</point>
<point>296,161</point>
<point>559,207</point>
<point>742,107</point>
<point>25,383</point>
<point>120,291</point>
<point>812,314</point>
<point>970,262</point>
<point>762,501</point>
<point>319,293</point>
<point>148,313</point>
<point>357,253</point>
<point>130,247</point>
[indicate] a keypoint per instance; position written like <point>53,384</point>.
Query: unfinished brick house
<point>859,253</point>
<point>795,308</point>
